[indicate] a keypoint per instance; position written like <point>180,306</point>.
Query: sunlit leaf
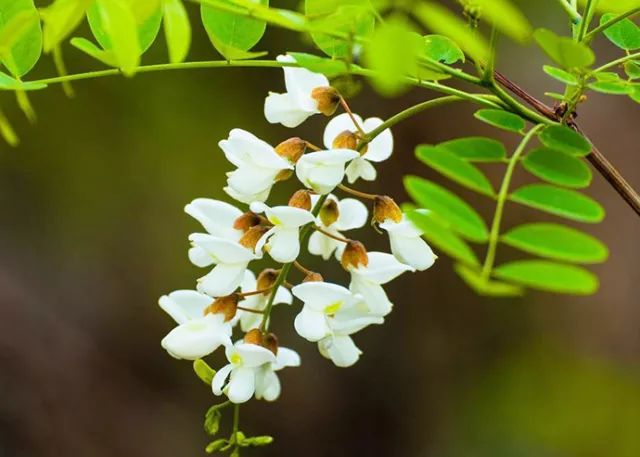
<point>611,87</point>
<point>317,64</point>
<point>204,371</point>
<point>625,34</point>
<point>22,36</point>
<point>476,149</point>
<point>506,17</point>
<point>456,212</point>
<point>9,83</point>
<point>564,50</point>
<point>560,75</point>
<point>89,48</point>
<point>487,287</point>
<point>442,49</point>
<point>60,19</point>
<point>556,242</point>
<point>632,69</point>
<point>562,138</point>
<point>177,29</point>
<point>501,119</point>
<point>561,202</point>
<point>549,276</point>
<point>455,168</point>
<point>558,167</point>
<point>614,6</point>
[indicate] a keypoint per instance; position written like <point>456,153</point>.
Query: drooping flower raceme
<point>251,320</point>
<point>340,132</point>
<point>322,171</point>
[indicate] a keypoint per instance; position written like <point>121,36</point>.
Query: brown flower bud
<point>313,277</point>
<point>225,305</point>
<point>328,99</point>
<point>270,341</point>
<point>253,337</point>
<point>283,175</point>
<point>329,212</point>
<point>267,278</point>
<point>292,149</point>
<point>301,199</point>
<point>385,208</point>
<point>345,140</point>
<point>252,236</point>
<point>246,221</point>
<point>354,255</point>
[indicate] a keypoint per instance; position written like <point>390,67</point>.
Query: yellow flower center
<point>236,359</point>
<point>332,308</point>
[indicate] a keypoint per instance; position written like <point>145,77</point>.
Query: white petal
<point>241,385</point>
<point>284,245</point>
<point>200,258</point>
<point>247,198</point>
<point>412,251</point>
<point>253,355</point>
<point>342,351</point>
<point>382,146</point>
<point>216,217</point>
<point>336,126</point>
<point>353,214</point>
<point>289,216</point>
<point>374,296</point>
<point>196,338</point>
<point>320,244</point>
<point>403,228</point>
<point>245,149</point>
<point>319,295</point>
<point>311,325</point>
<point>382,268</point>
<point>351,326</point>
<point>300,82</point>
<point>322,171</point>
<point>360,168</point>
<point>184,305</point>
<point>267,385</point>
<point>219,379</point>
<point>223,280</point>
<point>222,250</point>
<point>283,296</point>
<point>286,358</point>
<point>284,109</point>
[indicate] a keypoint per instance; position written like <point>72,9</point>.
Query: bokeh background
<point>92,232</point>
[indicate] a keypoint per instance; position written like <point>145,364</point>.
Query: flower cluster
<point>230,295</point>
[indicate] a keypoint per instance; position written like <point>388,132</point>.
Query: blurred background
<point>92,232</point>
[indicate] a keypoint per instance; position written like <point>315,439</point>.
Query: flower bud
<point>301,199</point>
<point>246,221</point>
<point>329,212</point>
<point>385,208</point>
<point>225,305</point>
<point>354,255</point>
<point>328,99</point>
<point>283,175</point>
<point>313,277</point>
<point>252,236</point>
<point>267,279</point>
<point>345,140</point>
<point>270,341</point>
<point>291,149</point>
<point>253,337</point>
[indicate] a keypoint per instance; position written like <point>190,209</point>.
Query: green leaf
<point>442,49</point>
<point>60,19</point>
<point>476,149</point>
<point>635,94</point>
<point>21,36</point>
<point>393,54</point>
<point>501,119</point>
<point>455,168</point>
<point>615,6</point>
<point>257,441</point>
<point>442,237</point>
<point>487,287</point>
<point>611,87</point>
<point>561,202</point>
<point>549,276</point>
<point>212,419</point>
<point>448,206</point>
<point>216,445</point>
<point>506,17</point>
<point>177,29</point>
<point>555,95</point>
<point>625,34</point>
<point>558,167</point>
<point>563,50</point>
<point>560,75</point>
<point>232,34</point>
<point>556,242</point>
<point>442,21</point>
<point>9,83</point>
<point>89,48</point>
<point>562,138</point>
<point>351,17</point>
<point>328,67</point>
<point>632,69</point>
<point>114,26</point>
<point>204,371</point>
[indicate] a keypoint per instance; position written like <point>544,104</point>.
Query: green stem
<point>517,107</point>
<point>610,22</point>
<point>586,19</point>
<point>502,198</point>
<point>487,75</point>
<point>617,62</point>
<point>61,68</point>
<point>236,425</point>
<point>571,11</point>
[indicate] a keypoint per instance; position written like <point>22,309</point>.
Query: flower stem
<point>250,310</point>
<point>346,108</point>
<point>313,147</point>
<point>236,424</point>
<point>502,197</point>
<point>301,268</point>
<point>357,193</point>
<point>330,235</point>
<point>254,292</point>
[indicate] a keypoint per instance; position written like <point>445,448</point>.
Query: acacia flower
<point>282,241</point>
<point>267,381</point>
<point>367,280</point>
<point>407,244</point>
<point>349,214</point>
<point>341,132</point>
<point>244,360</point>
<point>322,171</point>
<point>308,93</point>
<point>258,302</point>
<point>197,334</point>
<point>258,166</point>
<point>230,258</point>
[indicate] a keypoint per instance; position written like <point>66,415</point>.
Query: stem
<point>610,22</point>
<point>330,235</point>
<point>346,108</point>
<point>571,11</point>
<point>586,19</point>
<point>487,74</point>
<point>236,423</point>
<point>62,71</point>
<point>301,268</point>
<point>250,310</point>
<point>502,198</point>
<point>313,147</point>
<point>357,193</point>
<point>254,292</point>
<point>616,62</point>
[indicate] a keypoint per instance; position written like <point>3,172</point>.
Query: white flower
<point>367,280</point>
<point>244,360</point>
<point>352,214</point>
<point>322,171</point>
<point>258,165</point>
<point>231,260</point>
<point>249,320</point>
<point>282,240</point>
<point>196,335</point>
<point>378,150</point>
<point>294,106</point>
<point>407,245</point>
<point>267,382</point>
<point>331,313</point>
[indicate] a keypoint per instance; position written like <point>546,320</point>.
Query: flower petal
<point>336,126</point>
<point>382,268</point>
<point>241,385</point>
<point>284,245</point>
<point>222,250</point>
<point>253,355</point>
<point>184,305</point>
<point>250,180</point>
<point>223,280</point>
<point>342,351</point>
<point>288,216</point>
<point>216,217</point>
<point>219,379</point>
<point>353,214</point>
<point>286,358</point>
<point>245,149</point>
<point>267,385</point>
<point>200,258</point>
<point>412,251</point>
<point>196,338</point>
<point>381,147</point>
<point>246,198</point>
<point>300,82</point>
<point>283,296</point>
<point>319,295</point>
<point>311,325</point>
<point>284,109</point>
<point>320,244</point>
<point>373,294</point>
<point>360,168</point>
